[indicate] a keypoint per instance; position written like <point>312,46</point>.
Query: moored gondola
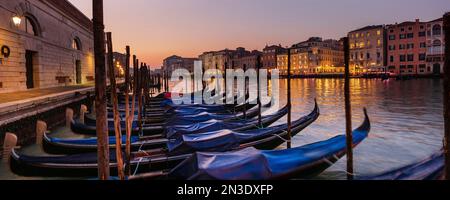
<point>159,159</point>
<point>431,168</point>
<point>72,146</point>
<point>251,164</point>
<point>158,128</point>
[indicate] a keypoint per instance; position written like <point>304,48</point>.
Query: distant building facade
<point>247,60</point>
<point>269,56</point>
<point>368,50</point>
<point>314,56</point>
<point>435,47</point>
<point>45,43</point>
<point>407,48</point>
<point>174,62</point>
<point>218,59</point>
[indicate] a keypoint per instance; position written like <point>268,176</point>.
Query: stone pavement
<point>10,97</point>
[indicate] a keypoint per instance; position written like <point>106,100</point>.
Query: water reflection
<point>406,118</point>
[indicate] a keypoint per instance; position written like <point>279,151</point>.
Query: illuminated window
<point>378,32</point>
<point>379,42</point>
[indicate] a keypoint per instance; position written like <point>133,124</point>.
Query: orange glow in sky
<point>156,29</point>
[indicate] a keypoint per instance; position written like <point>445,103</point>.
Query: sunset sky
<point>156,29</point>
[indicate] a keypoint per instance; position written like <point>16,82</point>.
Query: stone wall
<point>54,57</point>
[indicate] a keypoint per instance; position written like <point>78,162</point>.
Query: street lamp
<point>16,20</point>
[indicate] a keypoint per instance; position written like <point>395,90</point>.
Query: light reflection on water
<point>407,119</point>
<point>406,116</point>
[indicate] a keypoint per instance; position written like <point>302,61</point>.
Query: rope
<point>140,159</point>
<point>285,140</point>
<point>331,163</point>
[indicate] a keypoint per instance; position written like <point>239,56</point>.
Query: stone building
<point>174,62</point>
<point>314,56</point>
<point>368,50</point>
<point>269,56</point>
<point>246,60</point>
<point>48,43</point>
<point>435,47</point>
<point>218,59</point>
<point>407,48</point>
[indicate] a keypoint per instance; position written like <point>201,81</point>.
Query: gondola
<point>252,164</point>
<point>82,165</point>
<point>431,168</point>
<point>158,128</point>
<point>74,146</point>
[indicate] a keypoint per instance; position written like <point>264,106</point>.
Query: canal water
<point>406,116</point>
<point>407,120</point>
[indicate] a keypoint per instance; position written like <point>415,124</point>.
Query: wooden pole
<point>146,88</point>
<point>348,111</point>
<point>133,108</point>
<point>100,91</point>
<point>289,99</point>
<point>127,113</point>
<point>139,94</point>
<point>245,93</point>
<point>258,67</point>
<point>115,102</point>
<point>447,95</point>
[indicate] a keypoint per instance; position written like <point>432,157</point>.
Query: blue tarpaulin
<point>431,168</point>
<point>219,141</point>
<point>252,164</point>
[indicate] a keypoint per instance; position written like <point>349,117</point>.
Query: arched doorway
<point>437,68</point>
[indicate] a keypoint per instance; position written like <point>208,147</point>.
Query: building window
<point>29,26</point>
<point>402,66</point>
<point>402,36</point>
<point>422,56</point>
<point>437,29</point>
<point>401,46</point>
<point>422,34</point>
<point>378,32</point>
<point>76,44</point>
<point>410,67</point>
<point>410,57</point>
<point>392,37</point>
<point>410,46</point>
<point>423,45</point>
<point>422,66</point>
<point>410,35</point>
<point>402,58</point>
<point>391,59</point>
<point>391,47</point>
<point>437,43</point>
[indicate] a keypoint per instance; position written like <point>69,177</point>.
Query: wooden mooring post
<point>139,95</point>
<point>115,102</point>
<point>127,112</point>
<point>100,90</point>
<point>447,95</point>
<point>289,100</point>
<point>258,75</point>
<point>348,111</point>
<point>132,111</point>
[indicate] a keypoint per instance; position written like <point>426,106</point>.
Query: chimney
<point>417,20</point>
